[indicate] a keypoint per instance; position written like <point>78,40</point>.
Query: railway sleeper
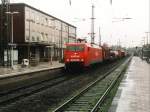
<point>77,109</point>
<point>81,102</point>
<point>93,95</point>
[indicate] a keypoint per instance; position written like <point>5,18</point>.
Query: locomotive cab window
<point>75,48</point>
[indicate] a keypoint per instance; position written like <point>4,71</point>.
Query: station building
<point>38,35</point>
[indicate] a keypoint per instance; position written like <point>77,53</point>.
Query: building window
<point>46,36</point>
<point>46,21</point>
<point>27,38</point>
<point>37,19</point>
<point>33,17</point>
<point>33,38</point>
<point>27,15</point>
<point>42,35</point>
<point>42,21</point>
<point>38,39</point>
<point>49,23</point>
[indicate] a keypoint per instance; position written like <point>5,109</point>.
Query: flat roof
<point>24,4</point>
<point>88,44</point>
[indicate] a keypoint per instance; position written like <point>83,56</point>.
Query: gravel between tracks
<point>49,98</point>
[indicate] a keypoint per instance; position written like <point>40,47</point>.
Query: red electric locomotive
<point>82,54</point>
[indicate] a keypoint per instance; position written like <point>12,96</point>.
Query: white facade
<point>42,28</point>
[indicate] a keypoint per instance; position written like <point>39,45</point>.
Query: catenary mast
<point>92,25</point>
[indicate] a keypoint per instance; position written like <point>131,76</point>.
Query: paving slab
<point>133,94</point>
<point>18,70</point>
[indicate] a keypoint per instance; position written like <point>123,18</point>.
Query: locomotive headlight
<point>82,59</point>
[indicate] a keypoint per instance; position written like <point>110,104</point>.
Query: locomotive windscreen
<point>75,48</point>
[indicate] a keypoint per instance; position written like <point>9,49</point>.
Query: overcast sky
<point>129,32</point>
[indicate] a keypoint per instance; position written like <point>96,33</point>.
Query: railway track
<point>13,95</point>
<point>93,95</point>
<point>10,82</point>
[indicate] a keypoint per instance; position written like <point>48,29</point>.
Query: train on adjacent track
<point>146,53</point>
<point>84,54</point>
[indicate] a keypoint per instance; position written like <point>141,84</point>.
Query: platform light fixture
<point>12,38</point>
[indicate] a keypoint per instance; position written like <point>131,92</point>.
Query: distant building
<point>39,35</point>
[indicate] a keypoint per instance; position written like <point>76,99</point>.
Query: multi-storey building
<point>39,35</point>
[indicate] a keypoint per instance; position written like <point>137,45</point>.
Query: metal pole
<point>68,34</point>
<point>149,23</point>
<point>29,40</point>
<point>147,38</point>
<point>92,25</point>
<point>51,56</point>
<point>147,33</point>
<point>75,35</point>
<point>144,40</point>
<point>12,53</point>
<point>99,37</point>
<point>61,49</point>
<point>12,38</point>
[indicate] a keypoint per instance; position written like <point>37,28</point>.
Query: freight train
<point>84,54</point>
<point>146,53</point>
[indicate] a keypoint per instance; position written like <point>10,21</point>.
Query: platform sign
<point>12,44</point>
<point>7,55</point>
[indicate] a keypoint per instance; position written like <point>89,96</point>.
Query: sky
<point>130,32</point>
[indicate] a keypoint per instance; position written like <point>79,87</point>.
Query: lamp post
<point>61,42</point>
<point>12,38</point>
<point>29,20</point>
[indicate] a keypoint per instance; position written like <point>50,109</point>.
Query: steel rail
<point>97,106</point>
<point>73,99</point>
<point>36,88</point>
<point>27,76</point>
<point>10,91</point>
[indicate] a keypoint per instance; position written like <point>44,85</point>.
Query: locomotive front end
<point>74,55</point>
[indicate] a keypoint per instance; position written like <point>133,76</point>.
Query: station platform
<point>18,70</point>
<point>133,94</point>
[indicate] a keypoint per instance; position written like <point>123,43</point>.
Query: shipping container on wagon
<point>106,51</point>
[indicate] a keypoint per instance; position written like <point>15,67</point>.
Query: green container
<point>146,52</point>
